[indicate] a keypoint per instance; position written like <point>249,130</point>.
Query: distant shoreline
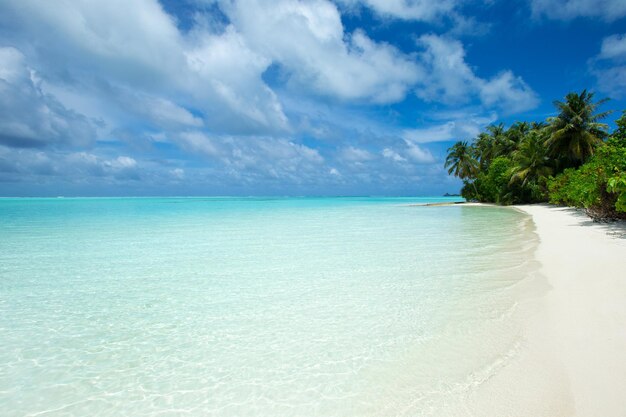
<point>437,204</point>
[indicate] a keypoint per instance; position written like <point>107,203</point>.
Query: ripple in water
<point>247,307</point>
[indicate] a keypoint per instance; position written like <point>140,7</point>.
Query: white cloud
<point>86,164</point>
<point>231,102</point>
<point>77,166</point>
<point>178,173</point>
<point>308,41</point>
<point>166,113</point>
<point>30,118</point>
<point>253,157</point>
<point>609,66</point>
<point>393,155</point>
<point>419,155</point>
<point>614,48</point>
<point>122,162</point>
<point>352,154</point>
<point>226,75</point>
<point>107,47</point>
<point>408,153</point>
<point>508,92</point>
<point>612,81</point>
<point>442,14</point>
<point>451,80</point>
<point>197,142</point>
<point>437,133</point>
<point>570,9</point>
<point>424,10</point>
<point>12,68</point>
<point>465,126</point>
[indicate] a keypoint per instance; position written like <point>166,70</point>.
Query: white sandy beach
<point>584,312</point>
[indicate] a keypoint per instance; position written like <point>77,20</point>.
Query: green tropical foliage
<point>460,161</point>
<point>570,159</point>
<point>599,185</point>
<point>576,131</point>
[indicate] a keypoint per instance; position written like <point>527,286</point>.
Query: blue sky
<point>282,97</point>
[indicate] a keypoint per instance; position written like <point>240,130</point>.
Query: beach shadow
<point>613,228</point>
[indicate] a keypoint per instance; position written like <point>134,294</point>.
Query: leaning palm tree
<point>461,162</point>
<point>576,131</point>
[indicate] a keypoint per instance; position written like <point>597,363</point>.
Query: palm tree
<point>576,131</point>
<point>531,160</point>
<point>513,137</point>
<point>461,162</point>
<point>488,145</point>
<point>485,147</point>
<point>497,133</point>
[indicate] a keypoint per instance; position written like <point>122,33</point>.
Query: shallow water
<point>254,307</point>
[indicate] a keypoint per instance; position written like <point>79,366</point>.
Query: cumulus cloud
<point>266,95</point>
<point>570,9</point>
<point>89,164</point>
<point>614,48</point>
<point>393,155</point>
<point>178,173</point>
<point>508,92</point>
<point>424,10</point>
<point>357,155</point>
<point>418,154</point>
<point>464,125</point>
<point>318,55</point>
<point>197,142</point>
<point>254,157</point>
<point>226,80</point>
<point>31,118</point>
<point>160,111</point>
<point>137,46</point>
<point>450,79</point>
<point>401,152</point>
<point>442,14</point>
<point>71,166</point>
<point>609,66</point>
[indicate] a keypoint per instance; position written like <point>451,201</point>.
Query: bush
<point>494,185</point>
<point>598,186</point>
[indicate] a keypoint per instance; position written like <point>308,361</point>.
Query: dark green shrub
<point>598,186</point>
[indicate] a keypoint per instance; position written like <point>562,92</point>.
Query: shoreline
<point>583,314</point>
<point>572,313</point>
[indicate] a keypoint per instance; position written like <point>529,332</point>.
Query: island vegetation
<point>570,159</point>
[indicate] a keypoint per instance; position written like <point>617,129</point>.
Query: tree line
<point>571,159</point>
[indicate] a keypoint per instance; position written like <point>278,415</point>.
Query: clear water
<point>254,307</point>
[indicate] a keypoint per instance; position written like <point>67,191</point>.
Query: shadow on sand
<point>613,228</point>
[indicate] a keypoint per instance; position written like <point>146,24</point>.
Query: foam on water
<point>255,307</point>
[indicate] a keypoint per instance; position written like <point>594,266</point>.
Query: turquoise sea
<point>255,306</point>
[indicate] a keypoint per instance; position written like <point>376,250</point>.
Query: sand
<point>583,315</point>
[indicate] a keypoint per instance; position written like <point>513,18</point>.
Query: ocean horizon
<point>235,306</point>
